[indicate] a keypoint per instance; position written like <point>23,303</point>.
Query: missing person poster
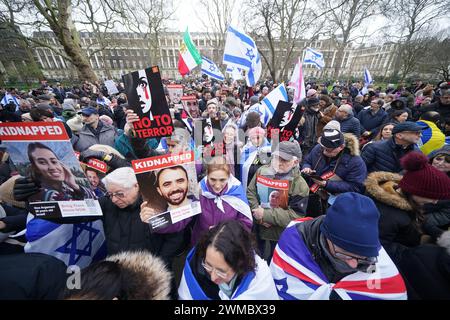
<point>190,105</point>
<point>169,185</point>
<point>146,97</point>
<point>95,170</point>
<point>210,137</point>
<point>175,92</point>
<point>42,151</point>
<point>272,193</point>
<point>284,121</point>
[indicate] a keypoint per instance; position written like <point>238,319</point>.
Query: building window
<point>118,53</point>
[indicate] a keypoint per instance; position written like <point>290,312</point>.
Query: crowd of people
<point>364,214</point>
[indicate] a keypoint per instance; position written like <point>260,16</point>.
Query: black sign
<point>284,121</point>
<point>146,97</point>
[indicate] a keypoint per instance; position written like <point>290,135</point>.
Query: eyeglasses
<point>360,260</point>
<point>119,195</point>
<point>222,275</point>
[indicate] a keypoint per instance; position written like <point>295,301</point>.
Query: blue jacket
<point>351,168</point>
<point>372,122</point>
<point>385,156</point>
<point>350,125</point>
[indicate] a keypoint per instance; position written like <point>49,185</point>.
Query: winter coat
<point>348,166</point>
<point>385,155</point>
<point>350,125</point>
<point>425,269</point>
<point>86,137</point>
<point>279,218</point>
<point>372,122</point>
<point>33,276</point>
<point>125,231</point>
<point>328,115</point>
<point>397,219</point>
<point>442,109</point>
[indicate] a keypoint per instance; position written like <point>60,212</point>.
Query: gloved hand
<point>25,188</point>
<point>87,154</point>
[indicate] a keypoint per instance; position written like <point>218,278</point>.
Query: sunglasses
<point>119,195</point>
<point>210,269</point>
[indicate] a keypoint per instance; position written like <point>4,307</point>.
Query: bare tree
<point>279,26</point>
<point>149,19</point>
<point>100,18</point>
<point>414,22</point>
<point>215,17</point>
<point>437,56</point>
<point>58,17</point>
<point>347,19</point>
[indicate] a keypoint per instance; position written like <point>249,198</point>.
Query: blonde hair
<point>217,163</point>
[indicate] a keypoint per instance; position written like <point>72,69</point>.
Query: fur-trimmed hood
<point>151,279</point>
<point>382,187</point>
<point>352,144</point>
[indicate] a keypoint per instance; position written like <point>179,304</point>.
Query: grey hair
<point>124,177</point>
<point>346,108</point>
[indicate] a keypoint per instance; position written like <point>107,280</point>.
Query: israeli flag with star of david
<point>314,57</point>
<point>75,244</point>
<point>241,52</point>
<point>211,70</point>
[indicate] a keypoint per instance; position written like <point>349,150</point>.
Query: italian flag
<point>189,57</point>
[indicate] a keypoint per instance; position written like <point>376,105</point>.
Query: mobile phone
<point>312,176</point>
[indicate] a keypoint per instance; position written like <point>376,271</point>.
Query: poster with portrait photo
<point>43,152</point>
<point>95,170</point>
<point>190,106</point>
<point>175,92</point>
<point>146,97</point>
<point>284,121</point>
<point>209,138</point>
<point>169,185</point>
<point>272,193</point>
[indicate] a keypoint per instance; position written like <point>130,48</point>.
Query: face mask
<point>227,288</point>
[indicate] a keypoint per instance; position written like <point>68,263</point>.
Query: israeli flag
<point>211,70</point>
<point>235,73</point>
<point>314,57</point>
<point>367,80</point>
<point>241,52</point>
<point>8,98</point>
<point>75,244</point>
<point>367,77</point>
<point>270,102</point>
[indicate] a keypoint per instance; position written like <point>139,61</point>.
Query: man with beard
<point>173,184</point>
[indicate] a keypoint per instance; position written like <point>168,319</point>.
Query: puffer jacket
<point>385,155</point>
<point>350,125</point>
<point>350,167</point>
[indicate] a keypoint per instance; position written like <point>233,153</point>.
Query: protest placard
<point>169,185</point>
<point>284,121</point>
<point>272,193</point>
<point>146,97</point>
<point>43,152</point>
<point>111,87</point>
<point>175,92</point>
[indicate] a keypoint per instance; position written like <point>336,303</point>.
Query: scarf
<point>234,195</point>
<point>299,277</point>
<point>248,156</point>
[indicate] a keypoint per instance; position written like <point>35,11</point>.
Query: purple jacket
<point>210,216</point>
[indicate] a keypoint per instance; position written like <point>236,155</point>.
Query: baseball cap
<point>88,111</point>
<point>288,150</point>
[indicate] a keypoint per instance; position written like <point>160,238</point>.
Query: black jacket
<point>33,276</point>
<point>124,231</point>
<point>397,217</point>
<point>425,270</point>
<point>385,155</point>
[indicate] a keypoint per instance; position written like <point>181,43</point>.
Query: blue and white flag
<point>235,196</point>
<point>241,52</point>
<point>270,102</point>
<point>236,73</point>
<point>314,57</point>
<point>211,70</point>
<point>367,80</point>
<point>8,99</point>
<point>74,244</point>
